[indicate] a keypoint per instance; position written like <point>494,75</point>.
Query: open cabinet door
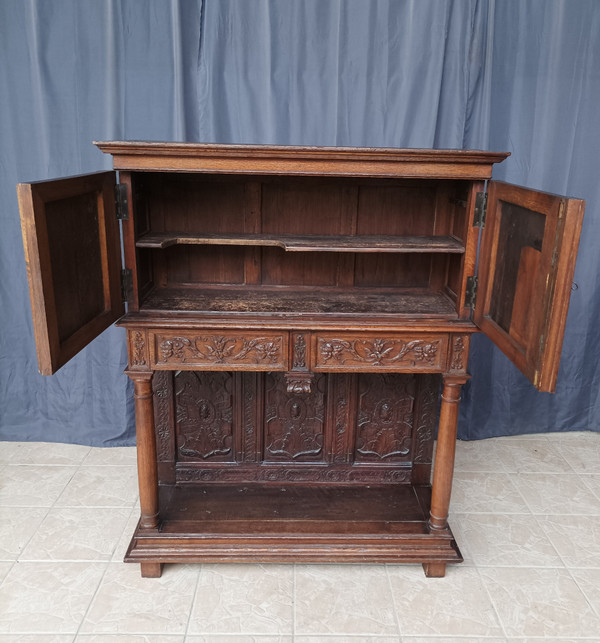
<point>526,266</point>
<point>72,251</point>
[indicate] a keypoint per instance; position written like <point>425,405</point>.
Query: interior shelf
<point>297,302</point>
<point>310,243</point>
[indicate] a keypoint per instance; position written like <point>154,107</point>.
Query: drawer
<point>380,352</point>
<point>219,350</point>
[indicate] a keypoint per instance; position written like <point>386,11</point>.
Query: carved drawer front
<point>219,351</point>
<point>380,352</point>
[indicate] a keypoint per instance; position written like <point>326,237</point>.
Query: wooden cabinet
<point>298,324</point>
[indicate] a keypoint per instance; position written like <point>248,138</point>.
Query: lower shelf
<point>293,523</point>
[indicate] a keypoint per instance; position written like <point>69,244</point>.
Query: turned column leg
<point>146,448</point>
<point>444,464</point>
<point>444,456</point>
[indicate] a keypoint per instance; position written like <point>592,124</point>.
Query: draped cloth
<point>522,77</point>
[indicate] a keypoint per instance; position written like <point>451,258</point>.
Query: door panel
<point>71,240</point>
<point>526,268</point>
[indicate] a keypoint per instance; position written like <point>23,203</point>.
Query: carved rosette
<point>221,350</point>
<point>382,352</point>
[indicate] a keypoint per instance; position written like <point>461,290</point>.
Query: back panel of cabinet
<point>303,207</point>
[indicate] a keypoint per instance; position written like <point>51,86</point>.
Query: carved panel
<point>460,353</point>
<point>426,353</point>
<point>299,359</point>
<point>250,428</point>
<point>294,423</point>
<point>384,421</point>
<point>284,474</point>
<point>427,417</point>
<point>221,351</point>
<point>137,348</point>
<point>204,415</point>
<point>163,420</point>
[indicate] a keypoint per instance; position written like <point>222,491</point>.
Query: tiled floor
<point>526,513</point>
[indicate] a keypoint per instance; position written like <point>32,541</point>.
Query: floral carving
<point>458,349</point>
<point>379,351</point>
<point>162,416</point>
<point>427,417</point>
<point>299,360</point>
<point>218,349</point>
<point>138,345</point>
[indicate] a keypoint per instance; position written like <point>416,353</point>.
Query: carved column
<point>444,456</point>
<point>146,448</point>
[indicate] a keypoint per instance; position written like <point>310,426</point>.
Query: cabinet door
<point>526,266</point>
<point>73,257</point>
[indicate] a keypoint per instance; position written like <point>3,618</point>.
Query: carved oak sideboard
<point>298,324</point>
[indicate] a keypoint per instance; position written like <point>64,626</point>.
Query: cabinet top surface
<point>303,160</point>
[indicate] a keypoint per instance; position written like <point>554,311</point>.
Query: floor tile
<point>348,638</point>
<point>99,456</point>
<point>539,602</point>
<point>592,482</point>
<point>456,605</point>
<point>343,599</point>
<point>126,535</point>
<point>45,597</point>
<point>588,581</point>
<point>452,639</point>
<point>77,533</point>
<point>240,638</point>
<point>36,638</point>
<point>534,456</point>
<point>33,485</point>
<point>5,567</point>
<point>557,494</point>
<point>486,493</point>
<point>236,599</point>
<point>126,603</point>
<point>581,451</point>
<point>575,538</point>
<point>17,527</point>
<point>505,540</point>
<point>479,455</point>
<point>127,638</point>
<point>101,486</point>
<point>42,453</point>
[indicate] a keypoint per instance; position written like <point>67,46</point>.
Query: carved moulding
<point>221,350</point>
<point>137,349</point>
<point>459,353</point>
<point>379,351</point>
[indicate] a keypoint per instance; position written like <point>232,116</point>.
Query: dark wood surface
<point>296,302</point>
<point>71,242</point>
<point>312,243</point>
<point>527,263</point>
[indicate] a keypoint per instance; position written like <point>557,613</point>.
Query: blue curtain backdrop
<point>514,76</point>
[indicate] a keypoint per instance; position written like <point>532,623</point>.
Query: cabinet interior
<point>299,244</point>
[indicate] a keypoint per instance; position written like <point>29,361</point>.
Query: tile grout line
<point>393,602</point>
<point>186,633</point>
<point>492,603</point>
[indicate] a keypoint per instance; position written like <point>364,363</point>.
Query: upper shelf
<point>309,243</point>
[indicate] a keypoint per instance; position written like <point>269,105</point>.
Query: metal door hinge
<point>480,209</point>
<point>126,284</point>
<point>471,292</point>
<point>121,202</point>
